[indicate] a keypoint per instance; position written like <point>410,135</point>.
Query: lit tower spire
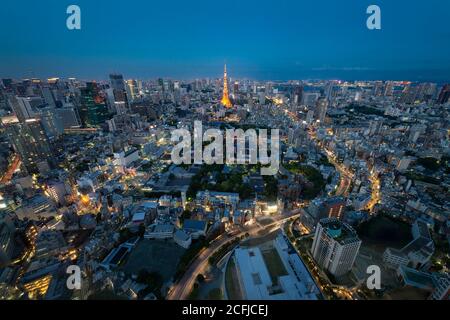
<point>225,99</point>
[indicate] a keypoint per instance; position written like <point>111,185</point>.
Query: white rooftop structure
<point>256,282</point>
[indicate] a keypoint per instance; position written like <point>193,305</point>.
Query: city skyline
<point>93,185</point>
<point>252,151</point>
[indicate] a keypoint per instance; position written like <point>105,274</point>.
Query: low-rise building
<point>159,231</point>
<point>195,228</point>
<point>182,238</point>
<point>36,208</point>
<point>125,158</point>
<point>416,253</point>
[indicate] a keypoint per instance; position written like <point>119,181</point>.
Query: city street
<point>182,288</point>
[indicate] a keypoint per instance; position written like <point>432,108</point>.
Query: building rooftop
<point>199,225</point>
<point>416,278</point>
<point>162,228</point>
<point>339,231</point>
<point>138,216</point>
<point>181,235</point>
<point>264,278</point>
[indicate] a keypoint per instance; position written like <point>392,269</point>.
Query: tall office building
<point>236,88</point>
<point>51,122</point>
<point>335,246</point>
<point>298,95</point>
<point>48,97</point>
<point>21,106</point>
<point>321,110</point>
<point>117,82</point>
<point>444,95</point>
<point>132,88</point>
<point>31,143</point>
<point>119,92</point>
<point>68,116</point>
<point>93,110</point>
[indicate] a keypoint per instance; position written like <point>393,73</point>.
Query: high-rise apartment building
<point>31,142</point>
<point>335,246</point>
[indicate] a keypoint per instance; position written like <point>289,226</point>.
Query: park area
<point>377,234</point>
<point>383,231</point>
<point>317,183</point>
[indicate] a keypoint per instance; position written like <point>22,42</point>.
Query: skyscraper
<point>321,110</point>
<point>48,97</point>
<point>93,110</point>
<point>68,116</point>
<point>335,246</point>
<point>236,88</point>
<point>51,122</point>
<point>225,99</point>
<point>132,88</point>
<point>30,142</point>
<point>298,95</point>
<point>117,82</point>
<point>21,107</point>
<point>119,92</point>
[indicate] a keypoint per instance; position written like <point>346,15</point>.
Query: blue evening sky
<point>258,39</point>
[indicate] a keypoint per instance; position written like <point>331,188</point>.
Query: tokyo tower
<point>225,99</point>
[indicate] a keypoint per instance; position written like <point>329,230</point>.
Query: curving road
<point>182,288</point>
